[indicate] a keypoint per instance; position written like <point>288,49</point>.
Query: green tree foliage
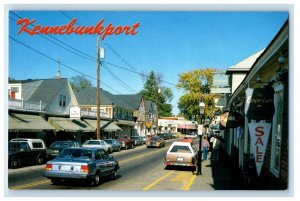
<point>196,85</point>
<point>151,93</point>
<point>79,82</point>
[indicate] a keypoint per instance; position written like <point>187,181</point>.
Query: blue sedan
<point>88,164</point>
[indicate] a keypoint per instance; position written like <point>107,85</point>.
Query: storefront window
<point>277,131</point>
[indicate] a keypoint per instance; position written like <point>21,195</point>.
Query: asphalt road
<point>141,168</point>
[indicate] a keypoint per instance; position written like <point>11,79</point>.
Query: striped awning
<point>104,125</point>
<point>27,122</point>
<point>70,125</point>
<point>125,123</point>
<point>187,126</point>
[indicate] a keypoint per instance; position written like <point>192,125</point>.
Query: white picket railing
<point>20,104</point>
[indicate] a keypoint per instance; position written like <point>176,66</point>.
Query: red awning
<point>186,126</point>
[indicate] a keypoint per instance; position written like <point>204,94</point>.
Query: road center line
<point>158,180</point>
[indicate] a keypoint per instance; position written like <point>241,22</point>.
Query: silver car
<point>81,164</point>
<point>98,143</point>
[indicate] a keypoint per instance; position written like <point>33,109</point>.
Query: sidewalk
<point>217,175</point>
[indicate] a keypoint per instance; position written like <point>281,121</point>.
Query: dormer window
<point>62,100</point>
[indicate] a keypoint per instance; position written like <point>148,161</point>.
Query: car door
<point>100,162</point>
<point>109,165</point>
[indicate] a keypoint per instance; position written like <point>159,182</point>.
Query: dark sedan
<point>87,164</point>
<point>57,146</point>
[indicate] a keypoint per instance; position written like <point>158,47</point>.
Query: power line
<point>125,85</point>
<point>118,79</point>
<point>89,57</point>
<point>62,64</point>
<point>109,46</point>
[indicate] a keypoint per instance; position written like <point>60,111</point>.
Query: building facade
<point>256,133</point>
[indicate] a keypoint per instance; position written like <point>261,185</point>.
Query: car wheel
<point>114,174</point>
<point>126,147</point>
<point>119,149</point>
<point>40,160</point>
<point>132,146</point>
<point>95,181</point>
<point>15,163</point>
<point>109,151</point>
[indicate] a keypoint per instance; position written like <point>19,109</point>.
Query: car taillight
<point>84,168</point>
<point>48,167</point>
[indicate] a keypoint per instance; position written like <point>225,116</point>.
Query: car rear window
<point>180,149</point>
<point>93,142</point>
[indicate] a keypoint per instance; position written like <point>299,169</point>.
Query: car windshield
<point>75,153</point>
<point>121,137</point>
<point>93,142</point>
<point>180,149</point>
<point>155,138</point>
<point>61,144</point>
<point>108,141</point>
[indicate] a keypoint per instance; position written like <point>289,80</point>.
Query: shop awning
<point>27,122</point>
<point>125,123</point>
<point>104,125</point>
<point>70,125</point>
<point>187,126</point>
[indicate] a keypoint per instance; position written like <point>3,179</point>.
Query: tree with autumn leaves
<point>196,85</point>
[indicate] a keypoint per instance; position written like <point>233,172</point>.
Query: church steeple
<point>58,75</point>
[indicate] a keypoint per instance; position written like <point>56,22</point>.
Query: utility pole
<point>98,87</point>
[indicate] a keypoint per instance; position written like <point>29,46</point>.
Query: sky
<point>166,42</point>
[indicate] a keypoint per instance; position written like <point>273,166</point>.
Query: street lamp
<point>199,162</point>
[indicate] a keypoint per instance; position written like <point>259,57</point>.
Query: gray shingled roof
<point>129,101</point>
<point>42,90</point>
<point>88,95</point>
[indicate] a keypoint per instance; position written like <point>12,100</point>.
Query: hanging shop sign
<point>259,133</point>
<point>75,112</point>
<point>231,119</point>
<point>260,103</point>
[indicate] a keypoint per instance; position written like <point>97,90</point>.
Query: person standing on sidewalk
<point>215,148</point>
<point>205,147</point>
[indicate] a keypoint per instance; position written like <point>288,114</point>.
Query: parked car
<point>191,135</point>
<point>188,139</point>
<point>98,143</point>
<point>137,140</point>
<point>155,141</point>
<point>182,154</point>
<point>125,141</point>
<point>26,151</point>
<point>116,146</point>
<point>144,139</point>
<point>87,164</point>
<point>57,146</point>
<point>165,136</point>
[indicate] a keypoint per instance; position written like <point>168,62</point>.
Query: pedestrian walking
<point>215,148</point>
<point>205,147</point>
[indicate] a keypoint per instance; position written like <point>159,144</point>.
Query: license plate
<point>65,167</point>
<point>180,164</point>
<point>179,159</point>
